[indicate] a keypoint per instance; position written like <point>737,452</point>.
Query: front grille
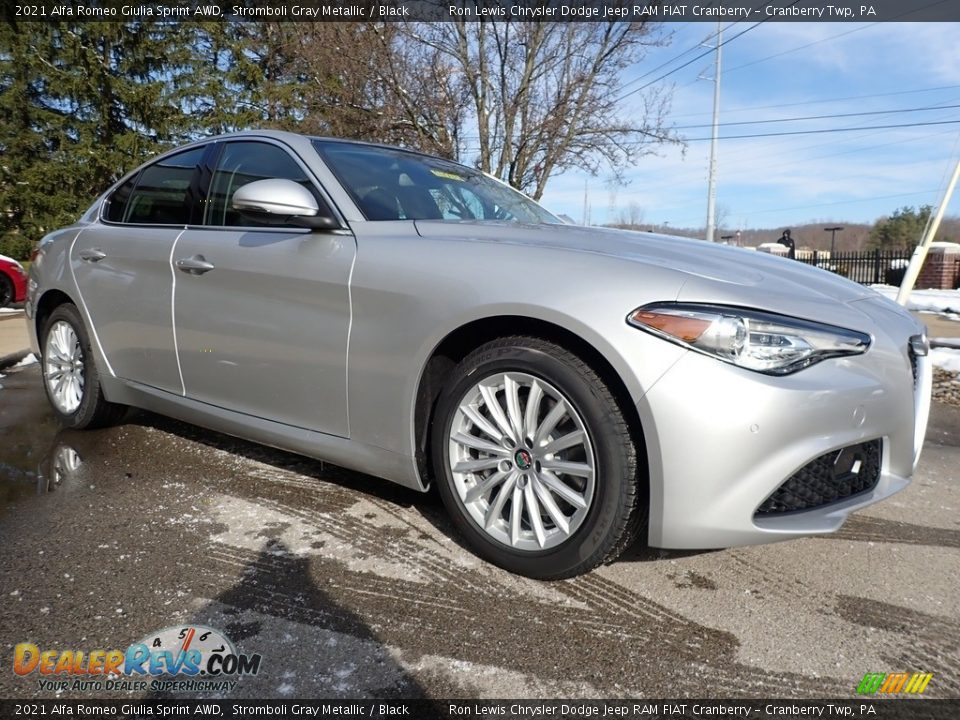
<point>917,347</point>
<point>914,365</point>
<point>835,476</point>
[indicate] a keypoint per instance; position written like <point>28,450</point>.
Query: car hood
<point>708,272</point>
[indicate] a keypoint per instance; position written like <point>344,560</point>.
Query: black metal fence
<point>866,266</point>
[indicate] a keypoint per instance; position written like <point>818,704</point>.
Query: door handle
<point>92,254</point>
<point>196,265</point>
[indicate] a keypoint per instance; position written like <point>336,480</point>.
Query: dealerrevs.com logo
<point>191,658</point>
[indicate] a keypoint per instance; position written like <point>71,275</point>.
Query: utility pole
<point>584,201</point>
<point>920,253</point>
<point>712,181</point>
<point>833,237</point>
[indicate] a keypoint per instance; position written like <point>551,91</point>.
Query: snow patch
<point>939,301</point>
<point>946,358</point>
<point>484,682</point>
<point>30,359</point>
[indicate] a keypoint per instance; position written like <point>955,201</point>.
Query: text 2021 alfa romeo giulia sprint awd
<point>566,388</point>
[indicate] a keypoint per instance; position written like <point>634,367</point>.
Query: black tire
<point>6,291</point>
<point>613,519</point>
<point>94,410</point>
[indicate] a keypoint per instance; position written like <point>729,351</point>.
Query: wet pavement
<point>349,586</point>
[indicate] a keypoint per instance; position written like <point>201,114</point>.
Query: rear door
<point>262,322</point>
<point>122,268</point>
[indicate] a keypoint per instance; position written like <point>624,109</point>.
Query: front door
<point>263,313</point>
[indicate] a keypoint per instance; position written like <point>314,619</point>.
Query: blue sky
<point>819,69</point>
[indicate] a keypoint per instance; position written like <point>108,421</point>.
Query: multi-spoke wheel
<point>522,461</point>
<point>535,459</point>
<point>70,374</point>
<point>63,368</point>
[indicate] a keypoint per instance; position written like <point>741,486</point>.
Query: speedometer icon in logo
<point>183,639</point>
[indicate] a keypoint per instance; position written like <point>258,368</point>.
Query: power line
<point>844,202</point>
<point>776,143</point>
<point>801,118</point>
<point>669,62</point>
<point>753,62</point>
<point>827,100</point>
<point>820,117</point>
<point>703,54</point>
<point>823,130</point>
<point>801,47</point>
<point>833,37</point>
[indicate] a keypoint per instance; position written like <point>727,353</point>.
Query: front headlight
<point>764,342</point>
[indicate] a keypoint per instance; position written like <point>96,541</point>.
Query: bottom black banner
<point>919,709</point>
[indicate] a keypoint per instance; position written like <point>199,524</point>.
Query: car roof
<point>293,137</point>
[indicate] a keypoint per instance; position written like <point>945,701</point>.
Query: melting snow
<point>946,358</point>
<point>940,301</point>
<point>30,359</point>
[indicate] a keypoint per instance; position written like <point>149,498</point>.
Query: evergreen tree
<point>903,229</point>
<point>82,103</point>
<point>222,87</point>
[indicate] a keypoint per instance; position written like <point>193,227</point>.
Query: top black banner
<point>836,11</point>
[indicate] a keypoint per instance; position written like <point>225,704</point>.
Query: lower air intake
<point>838,475</point>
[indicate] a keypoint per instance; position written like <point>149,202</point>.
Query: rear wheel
<point>71,377</point>
<point>535,460</point>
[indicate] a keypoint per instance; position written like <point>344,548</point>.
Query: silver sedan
<point>566,388</point>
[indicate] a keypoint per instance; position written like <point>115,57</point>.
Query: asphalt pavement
<point>14,343</point>
<point>349,586</point>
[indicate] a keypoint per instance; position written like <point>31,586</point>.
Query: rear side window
<point>164,193</point>
<point>244,162</point>
<point>117,203</point>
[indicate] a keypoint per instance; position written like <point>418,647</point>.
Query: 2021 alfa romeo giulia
<point>566,388</point>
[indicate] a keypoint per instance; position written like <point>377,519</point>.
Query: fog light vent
<point>835,476</point>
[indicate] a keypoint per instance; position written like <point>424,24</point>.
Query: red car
<point>13,282</point>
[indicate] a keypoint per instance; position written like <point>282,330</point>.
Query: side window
<point>244,162</point>
<point>163,194</point>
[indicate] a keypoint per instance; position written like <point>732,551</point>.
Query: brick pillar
<point>939,271</point>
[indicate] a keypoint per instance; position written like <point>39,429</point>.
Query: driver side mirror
<point>280,201</point>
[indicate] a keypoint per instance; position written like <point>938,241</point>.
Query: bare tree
<point>365,80</point>
<point>630,218</point>
<point>722,214</point>
<point>544,96</point>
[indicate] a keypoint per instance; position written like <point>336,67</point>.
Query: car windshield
<point>389,184</point>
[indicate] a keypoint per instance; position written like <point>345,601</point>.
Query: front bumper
<point>720,439</point>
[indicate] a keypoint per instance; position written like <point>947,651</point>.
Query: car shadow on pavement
<point>310,645</point>
<point>428,504</point>
<point>639,551</point>
<point>284,460</point>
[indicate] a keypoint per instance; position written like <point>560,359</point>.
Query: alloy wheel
<point>522,461</point>
<point>63,367</point>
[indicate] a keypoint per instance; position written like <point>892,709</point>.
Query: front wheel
<point>6,291</point>
<point>535,460</point>
<point>71,377</point>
